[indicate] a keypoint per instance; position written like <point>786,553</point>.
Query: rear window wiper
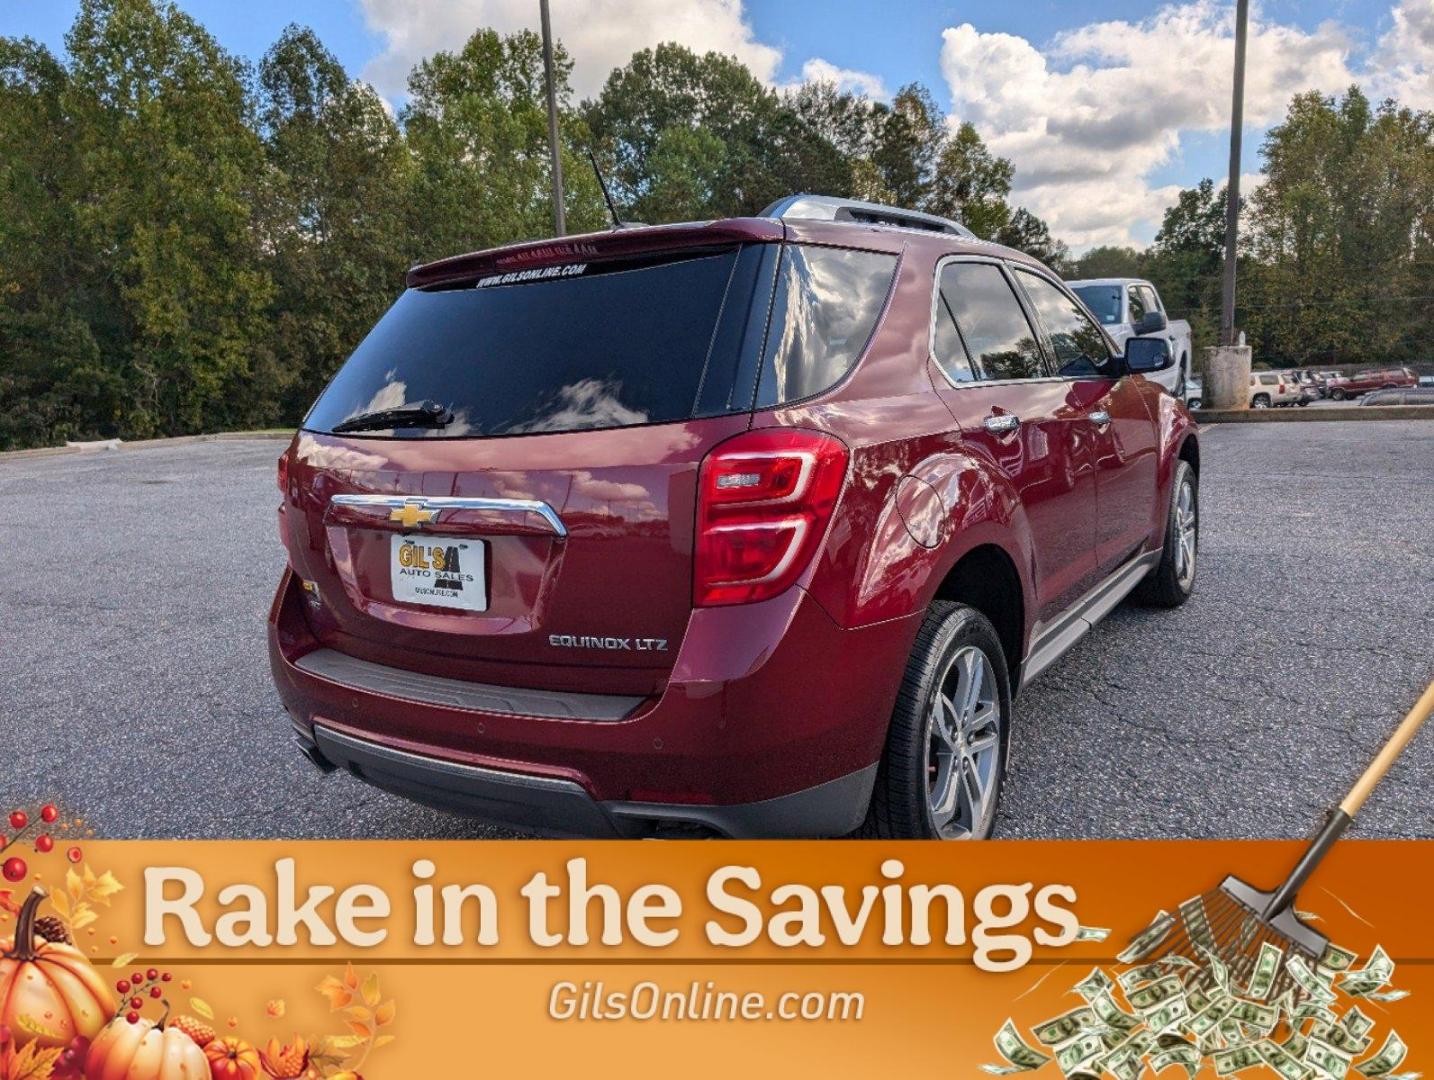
<point>427,414</point>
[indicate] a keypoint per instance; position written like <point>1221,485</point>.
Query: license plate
<point>439,572</point>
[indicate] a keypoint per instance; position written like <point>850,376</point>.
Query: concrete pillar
<point>1227,377</point>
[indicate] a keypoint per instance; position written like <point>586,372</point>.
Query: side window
<point>997,334</point>
<point>1148,298</point>
<point>1080,348</point>
<point>946,344</point>
<point>1137,305</point>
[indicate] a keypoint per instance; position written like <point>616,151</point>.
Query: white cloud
<point>847,79</point>
<point>599,34</point>
<point>1403,62</point>
<point>1090,117</point>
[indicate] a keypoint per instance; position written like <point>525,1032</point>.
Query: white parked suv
<point>1271,388</point>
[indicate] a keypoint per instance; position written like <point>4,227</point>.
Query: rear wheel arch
<point>1190,452</point>
<point>986,578</point>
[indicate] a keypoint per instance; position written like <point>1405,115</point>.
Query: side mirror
<point>1152,322</point>
<point>1144,355</point>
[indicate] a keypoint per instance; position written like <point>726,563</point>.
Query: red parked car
<point>750,528</point>
<point>1344,387</point>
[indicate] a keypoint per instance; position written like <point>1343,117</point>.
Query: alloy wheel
<point>1187,533</point>
<point>963,739</point>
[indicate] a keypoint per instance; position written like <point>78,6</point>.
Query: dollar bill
<point>1112,1015</point>
<point>1197,923</point>
<point>1267,966</point>
<point>1149,939</point>
<point>1336,959</point>
<point>1217,969</point>
<point>1282,1061</point>
<point>1168,1015</point>
<point>1313,1010</point>
<point>1296,1043</point>
<point>1236,1059</point>
<point>1094,984</point>
<point>1329,1060</point>
<point>1092,933</point>
<point>1072,1057</point>
<point>1208,1019</point>
<point>1151,996</point>
<point>1355,1022</point>
<point>1391,1055</point>
<point>1020,1056</point>
<point>1340,1037</point>
<point>1064,1028</point>
<point>1143,974</point>
<point>1259,1016</point>
<point>1187,1056</point>
<point>1308,981</point>
<point>1375,974</point>
<point>1387,996</point>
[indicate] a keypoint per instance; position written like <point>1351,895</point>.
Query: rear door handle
<point>1001,424</point>
<point>1100,419</point>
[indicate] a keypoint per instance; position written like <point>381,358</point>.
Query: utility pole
<point>1232,190</point>
<point>559,221</point>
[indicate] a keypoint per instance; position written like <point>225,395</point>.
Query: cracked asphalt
<point>134,683</point>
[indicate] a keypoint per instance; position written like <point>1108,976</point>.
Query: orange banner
<point>401,959</point>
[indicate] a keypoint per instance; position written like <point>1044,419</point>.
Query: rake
<point>1234,921</point>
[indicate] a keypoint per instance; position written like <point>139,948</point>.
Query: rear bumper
<point>770,725</point>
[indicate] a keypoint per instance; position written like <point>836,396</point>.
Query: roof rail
<point>830,208</point>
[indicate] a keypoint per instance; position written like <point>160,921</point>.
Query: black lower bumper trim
<point>555,807</point>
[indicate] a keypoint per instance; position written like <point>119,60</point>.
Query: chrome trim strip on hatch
<point>438,503</point>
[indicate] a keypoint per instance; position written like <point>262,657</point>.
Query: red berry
<point>74,854</point>
<point>15,869</point>
<point>132,1017</point>
<point>19,819</point>
<point>122,986</point>
<point>155,991</point>
<point>49,813</point>
<point>136,1003</point>
<point>152,974</point>
<point>137,978</point>
<point>43,844</point>
<point>165,977</point>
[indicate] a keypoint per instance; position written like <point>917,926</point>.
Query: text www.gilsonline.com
<point>646,1000</point>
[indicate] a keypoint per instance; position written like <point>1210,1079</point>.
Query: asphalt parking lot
<point>134,684</point>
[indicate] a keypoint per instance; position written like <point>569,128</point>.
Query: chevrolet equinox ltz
<point>747,528</point>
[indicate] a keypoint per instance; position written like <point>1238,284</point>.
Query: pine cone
<point>52,929</point>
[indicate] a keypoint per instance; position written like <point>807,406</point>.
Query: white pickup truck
<point>1130,307</point>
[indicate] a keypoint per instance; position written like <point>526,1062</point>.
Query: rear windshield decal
<point>537,273</point>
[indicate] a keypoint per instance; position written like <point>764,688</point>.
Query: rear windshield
<point>570,348</point>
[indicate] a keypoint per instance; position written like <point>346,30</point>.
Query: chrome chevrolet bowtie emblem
<point>412,513</point>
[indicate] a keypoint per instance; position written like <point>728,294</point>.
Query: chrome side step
<point>1057,639</point>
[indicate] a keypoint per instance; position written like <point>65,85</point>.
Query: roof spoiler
<point>830,208</point>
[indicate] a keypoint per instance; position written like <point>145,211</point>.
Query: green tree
<point>971,184</point>
<point>1108,261</point>
<point>334,210</point>
<point>163,128</point>
<point>476,124</point>
<point>1026,232</point>
<point>1186,260</point>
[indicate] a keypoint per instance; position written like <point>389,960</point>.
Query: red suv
<point>750,527</point>
<point>1361,382</point>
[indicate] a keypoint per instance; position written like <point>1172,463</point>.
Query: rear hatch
<point>534,526</point>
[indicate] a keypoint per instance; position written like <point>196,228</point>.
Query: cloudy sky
<point>1107,109</point>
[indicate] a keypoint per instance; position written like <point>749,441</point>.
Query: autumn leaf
<point>61,903</point>
<point>202,1007</point>
<point>276,1008</point>
<point>383,1040</point>
<point>371,993</point>
<point>7,902</point>
<point>123,960</point>
<point>351,979</point>
<point>363,1031</point>
<point>359,1013</point>
<point>32,1062</point>
<point>74,885</point>
<point>384,1014</point>
<point>337,993</point>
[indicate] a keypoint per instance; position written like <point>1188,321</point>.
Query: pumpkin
<point>231,1058</point>
<point>144,1050</point>
<point>49,994</point>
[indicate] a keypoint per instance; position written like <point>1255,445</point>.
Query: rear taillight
<point>284,472</point>
<point>764,501</point>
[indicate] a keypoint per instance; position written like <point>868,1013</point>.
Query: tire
<point>1338,394</point>
<point>1260,401</point>
<point>1172,580</point>
<point>954,641</point>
